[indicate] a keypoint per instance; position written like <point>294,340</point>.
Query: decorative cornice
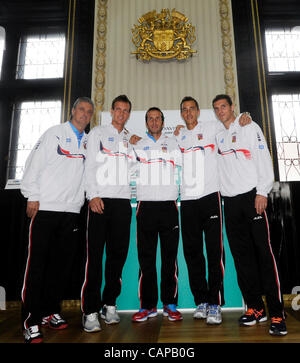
<point>99,59</point>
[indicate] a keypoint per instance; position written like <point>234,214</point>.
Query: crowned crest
<point>163,35</point>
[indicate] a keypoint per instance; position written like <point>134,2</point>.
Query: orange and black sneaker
<point>253,316</point>
<point>277,327</point>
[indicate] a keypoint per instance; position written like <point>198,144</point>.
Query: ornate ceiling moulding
<point>165,35</point>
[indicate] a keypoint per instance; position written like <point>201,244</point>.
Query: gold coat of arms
<point>163,35</point>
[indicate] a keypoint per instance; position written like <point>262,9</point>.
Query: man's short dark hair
<point>155,109</point>
<point>121,98</point>
<point>188,98</point>
<point>222,97</point>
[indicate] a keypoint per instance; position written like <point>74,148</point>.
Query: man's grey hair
<point>82,99</point>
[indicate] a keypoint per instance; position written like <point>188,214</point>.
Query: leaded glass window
<point>283,49</point>
<point>41,56</point>
<point>283,58</point>
<point>30,121</point>
<point>286,110</point>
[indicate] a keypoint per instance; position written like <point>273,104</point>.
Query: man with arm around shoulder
<point>246,178</point>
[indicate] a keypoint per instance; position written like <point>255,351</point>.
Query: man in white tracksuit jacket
<point>246,178</point>
<point>157,157</point>
<point>107,183</point>
<point>53,184</point>
<point>201,211</point>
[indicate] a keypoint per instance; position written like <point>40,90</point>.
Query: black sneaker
<point>33,334</point>
<point>277,327</point>
<point>253,316</point>
<point>54,321</point>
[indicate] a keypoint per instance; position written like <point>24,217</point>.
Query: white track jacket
<point>156,162</point>
<point>244,160</point>
<point>54,170</point>
<point>107,169</point>
<point>200,170</point>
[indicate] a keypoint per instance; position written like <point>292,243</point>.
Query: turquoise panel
<point>128,299</point>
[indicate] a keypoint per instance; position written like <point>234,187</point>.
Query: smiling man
<point>53,184</point>
<point>108,191</point>
<point>157,216</point>
<point>246,178</point>
<point>201,210</point>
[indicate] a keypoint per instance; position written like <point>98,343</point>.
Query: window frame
<point>267,65</point>
<point>22,54</point>
<point>2,38</point>
<point>15,90</point>
<point>278,83</point>
<point>15,132</point>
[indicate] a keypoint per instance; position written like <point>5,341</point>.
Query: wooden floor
<point>155,330</point>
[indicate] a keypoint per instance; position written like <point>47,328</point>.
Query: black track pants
<point>112,231</point>
<point>249,240</point>
<point>200,216</point>
<point>53,241</point>
<point>157,219</point>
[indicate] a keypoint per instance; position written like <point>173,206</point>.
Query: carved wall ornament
<point>165,35</point>
<point>227,45</point>
<point>100,58</point>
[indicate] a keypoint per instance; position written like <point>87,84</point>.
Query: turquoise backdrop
<point>128,299</point>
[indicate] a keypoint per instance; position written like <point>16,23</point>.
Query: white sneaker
<point>201,311</point>
<point>91,323</point>
<point>109,313</point>
<point>214,315</point>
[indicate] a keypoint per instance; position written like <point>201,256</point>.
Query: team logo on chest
<point>125,142</point>
<point>164,148</point>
